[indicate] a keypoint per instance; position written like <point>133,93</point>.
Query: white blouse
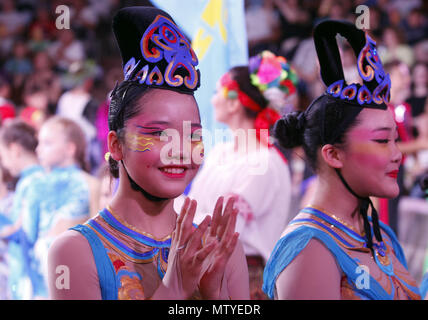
<point>261,178</point>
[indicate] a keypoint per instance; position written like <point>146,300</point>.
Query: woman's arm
<point>72,273</point>
<point>238,285</point>
<point>313,274</point>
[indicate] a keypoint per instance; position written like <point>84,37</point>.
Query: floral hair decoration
<point>266,117</point>
<point>268,71</point>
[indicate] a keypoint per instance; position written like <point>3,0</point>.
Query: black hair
<point>241,75</point>
<point>123,106</point>
<point>326,121</point>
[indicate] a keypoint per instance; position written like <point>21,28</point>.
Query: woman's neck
<point>331,196</point>
<point>155,218</point>
<point>244,134</point>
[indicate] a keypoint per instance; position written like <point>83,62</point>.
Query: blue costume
<point>348,248</point>
<point>19,282</point>
<point>62,194</point>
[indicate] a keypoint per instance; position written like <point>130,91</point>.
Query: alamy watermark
<point>62,21</point>
<point>363,20</point>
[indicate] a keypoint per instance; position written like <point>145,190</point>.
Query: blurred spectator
<point>101,123</point>
<point>17,149</point>
<point>67,195</point>
<point>12,25</point>
<point>264,34</point>
<point>19,63</point>
<point>44,23</point>
<point>84,19</point>
<point>79,104</point>
<point>37,41</point>
<point>421,51</point>
<point>415,26</point>
<point>35,111</point>
<point>393,47</point>
<point>418,97</point>
<point>18,67</point>
<point>7,108</point>
<point>6,202</point>
<point>295,25</point>
<point>66,50</point>
<point>44,79</point>
<point>400,81</point>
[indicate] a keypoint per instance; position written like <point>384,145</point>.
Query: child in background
<point>6,202</point>
<point>68,193</point>
<point>18,143</point>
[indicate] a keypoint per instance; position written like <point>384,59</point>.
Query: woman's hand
<point>222,233</point>
<point>186,254</point>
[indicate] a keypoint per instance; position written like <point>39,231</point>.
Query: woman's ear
<point>233,105</point>
<point>332,156</point>
<point>114,146</point>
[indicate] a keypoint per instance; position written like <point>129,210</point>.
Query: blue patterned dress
<point>62,194</point>
<point>19,282</point>
<point>391,279</point>
<point>130,263</point>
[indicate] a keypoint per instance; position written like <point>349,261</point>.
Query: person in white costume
<point>251,168</point>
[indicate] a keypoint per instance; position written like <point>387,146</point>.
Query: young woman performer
<point>137,247</point>
<point>333,249</point>
<point>250,169</point>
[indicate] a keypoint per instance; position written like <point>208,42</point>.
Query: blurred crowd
<point>47,72</point>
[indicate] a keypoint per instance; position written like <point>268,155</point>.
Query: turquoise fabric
<point>289,246</point>
<point>424,286</point>
<point>105,269</point>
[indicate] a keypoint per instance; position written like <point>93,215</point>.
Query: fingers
<point>216,216</point>
<point>195,240</point>
<point>180,218</point>
<point>186,224</point>
<point>229,211</point>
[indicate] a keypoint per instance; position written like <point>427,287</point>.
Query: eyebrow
<point>152,124</point>
<point>384,129</point>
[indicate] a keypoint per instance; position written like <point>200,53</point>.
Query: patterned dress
<point>62,194</point>
<point>387,277</point>
<point>130,263</point>
<point>20,277</point>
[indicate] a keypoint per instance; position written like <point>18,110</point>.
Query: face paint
<point>138,142</point>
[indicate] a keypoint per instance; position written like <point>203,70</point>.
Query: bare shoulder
<point>313,274</point>
<point>72,272</point>
<point>70,241</point>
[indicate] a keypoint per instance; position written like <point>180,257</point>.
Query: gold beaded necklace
<point>338,220</point>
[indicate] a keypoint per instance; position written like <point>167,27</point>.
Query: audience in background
<point>45,71</point>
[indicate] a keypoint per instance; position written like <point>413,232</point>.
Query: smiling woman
<point>138,247</point>
<point>349,138</point>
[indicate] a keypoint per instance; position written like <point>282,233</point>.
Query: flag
<point>217,31</point>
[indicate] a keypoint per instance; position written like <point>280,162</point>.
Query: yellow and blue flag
<point>218,34</point>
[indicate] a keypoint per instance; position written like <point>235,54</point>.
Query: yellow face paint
<point>138,142</point>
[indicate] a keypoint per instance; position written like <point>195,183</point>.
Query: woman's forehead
<point>166,107</point>
<point>371,121</point>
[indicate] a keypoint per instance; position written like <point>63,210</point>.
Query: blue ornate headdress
<point>374,92</point>
<point>155,52</point>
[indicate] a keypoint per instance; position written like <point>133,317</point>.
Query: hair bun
<point>289,129</point>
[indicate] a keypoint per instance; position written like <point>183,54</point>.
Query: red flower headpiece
<point>233,90</point>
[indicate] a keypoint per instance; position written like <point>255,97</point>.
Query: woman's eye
<point>381,140</point>
<point>154,133</point>
<point>196,137</point>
